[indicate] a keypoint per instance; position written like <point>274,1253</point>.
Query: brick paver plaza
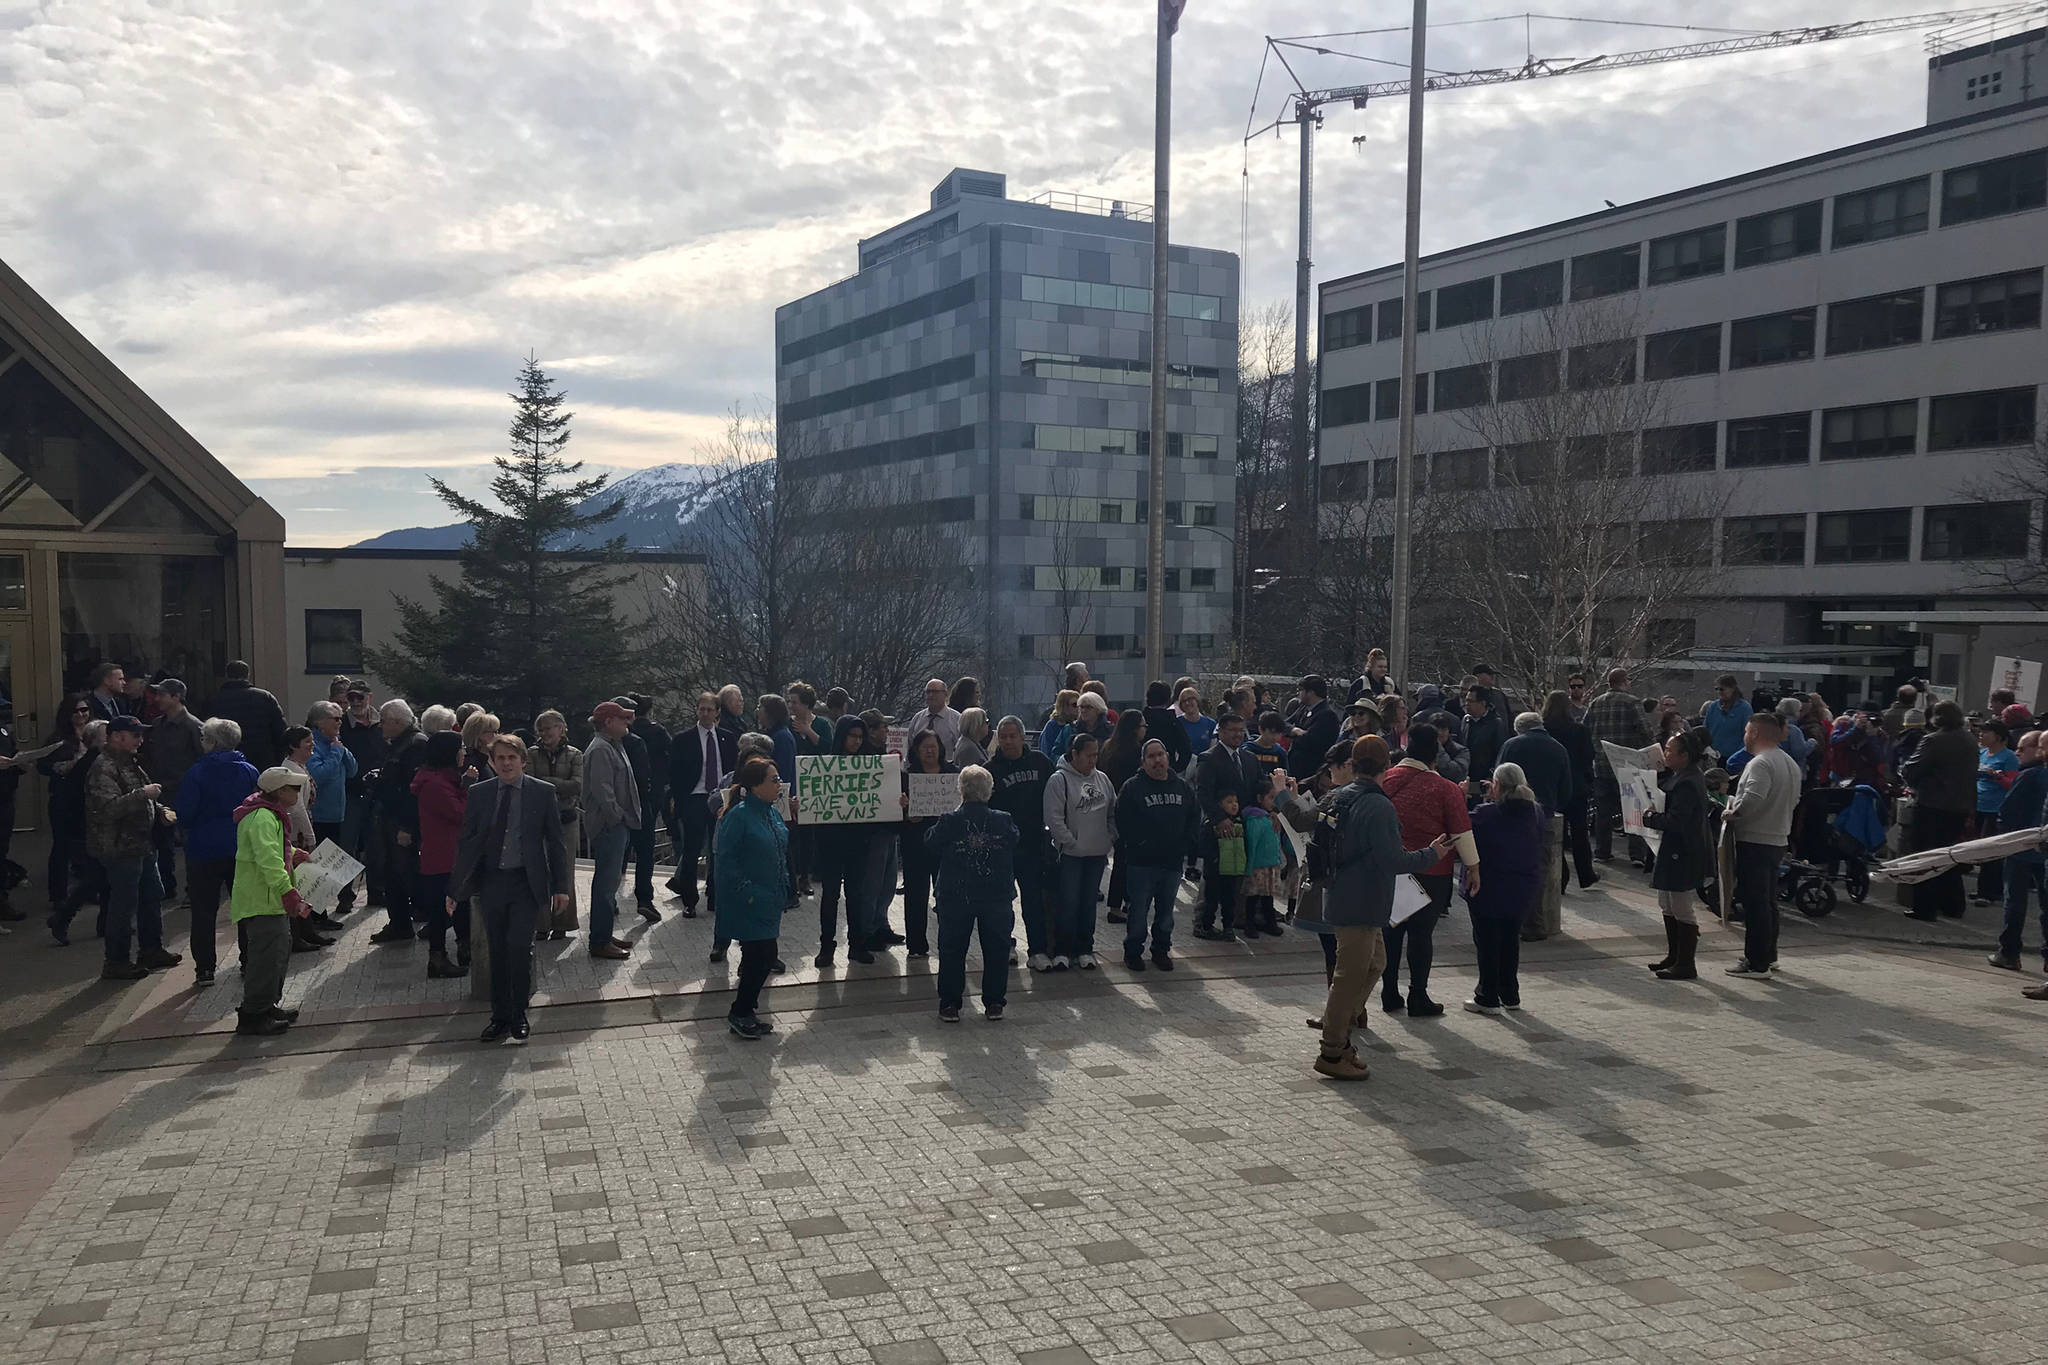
<point>1842,1165</point>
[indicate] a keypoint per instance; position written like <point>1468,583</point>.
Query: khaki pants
<point>1550,900</point>
<point>1361,959</point>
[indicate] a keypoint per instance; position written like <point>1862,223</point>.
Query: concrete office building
<point>1848,346</point>
<point>991,361</point>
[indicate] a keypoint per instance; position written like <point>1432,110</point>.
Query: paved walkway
<point>1128,1169</point>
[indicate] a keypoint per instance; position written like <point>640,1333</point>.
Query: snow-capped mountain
<point>658,503</point>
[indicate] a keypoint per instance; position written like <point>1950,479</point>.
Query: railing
<point>1095,204</point>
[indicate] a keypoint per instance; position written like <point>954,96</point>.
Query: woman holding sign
<point>1685,857</point>
<point>920,864</point>
<point>842,862</point>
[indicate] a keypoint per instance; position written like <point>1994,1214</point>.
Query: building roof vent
<point>959,181</point>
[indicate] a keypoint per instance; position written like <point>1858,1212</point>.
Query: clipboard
<point>1410,896</point>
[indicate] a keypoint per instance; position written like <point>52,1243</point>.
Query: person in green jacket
<point>264,897</point>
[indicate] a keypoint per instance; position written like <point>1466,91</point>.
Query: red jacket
<point>442,798</point>
<point>1429,804</point>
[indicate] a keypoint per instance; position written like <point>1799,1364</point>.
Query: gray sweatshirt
<point>1080,812</point>
<point>1765,796</point>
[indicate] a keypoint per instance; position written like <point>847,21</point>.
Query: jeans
<point>1500,954</point>
<point>960,921</point>
<point>1028,862</point>
<point>205,881</point>
<point>1991,876</point>
<point>135,905</point>
<point>2024,873</point>
<point>266,947</point>
<point>1073,930</point>
<point>509,914</point>
<point>608,852</point>
<point>1361,958</point>
<point>1417,934</point>
<point>1150,893</point>
<point>757,956</point>
<point>1756,888</point>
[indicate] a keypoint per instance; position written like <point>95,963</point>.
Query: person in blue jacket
<point>1726,717</point>
<point>207,797</point>
<point>973,847</point>
<point>751,867</point>
<point>2026,872</point>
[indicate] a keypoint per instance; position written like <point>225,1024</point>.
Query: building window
<point>1983,87</point>
<point>1457,471</point>
<point>1895,210</point>
<point>1123,298</point>
<point>1687,541</point>
<point>1690,350</point>
<point>1347,328</point>
<point>1866,432</point>
<point>1342,407</point>
<point>1528,464</point>
<point>1600,273</point>
<point>1680,450</point>
<point>1109,644</point>
<point>1468,302</point>
<point>1995,417</point>
<point>1874,323</point>
<point>13,584</point>
<point>1528,376</point>
<point>1112,441</point>
<point>1991,188</point>
<point>1884,536</point>
<point>1109,511</point>
<point>1386,399</point>
<point>1996,303</point>
<point>1666,636</point>
<point>334,641</point>
<point>1598,457</point>
<point>1343,482</point>
<point>1466,386</point>
<point>1763,540</point>
<point>1390,315</point>
<point>1201,514</point>
<point>1201,578</point>
<point>1526,290</point>
<point>1385,475</point>
<point>1781,439</point>
<point>1976,530</point>
<point>1091,369</point>
<point>1777,236</point>
<point>1688,255</point>
<point>1601,365</point>
<point>1771,340</point>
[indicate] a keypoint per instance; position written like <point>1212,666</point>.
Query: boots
<point>439,966</point>
<point>1671,928</point>
<point>1686,941</point>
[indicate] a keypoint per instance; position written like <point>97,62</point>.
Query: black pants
<point>842,862</point>
<point>1578,836</point>
<point>207,879</point>
<point>1606,807</point>
<point>1990,877</point>
<point>688,826</point>
<point>165,838</point>
<point>510,914</point>
<point>1219,895</point>
<point>917,896</point>
<point>1115,897</point>
<point>1417,934</point>
<point>1499,942</point>
<point>1756,889</point>
<point>642,846</point>
<point>757,955</point>
<point>1938,829</point>
<point>401,874</point>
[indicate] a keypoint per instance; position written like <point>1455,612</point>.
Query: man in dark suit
<point>691,783</point>
<point>1318,729</point>
<point>512,855</point>
<point>1228,769</point>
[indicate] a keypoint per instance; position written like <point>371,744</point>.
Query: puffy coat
<point>207,798</point>
<point>750,865</point>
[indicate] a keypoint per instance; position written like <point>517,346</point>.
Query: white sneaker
<point>1040,962</point>
<point>1742,968</point>
<point>1060,963</point>
<point>1086,962</point>
<point>1474,1007</point>
<point>1013,955</point>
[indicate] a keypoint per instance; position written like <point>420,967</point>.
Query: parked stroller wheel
<point>1858,882</point>
<point>1814,899</point>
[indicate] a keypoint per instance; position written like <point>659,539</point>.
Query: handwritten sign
<point>848,789</point>
<point>899,740</point>
<point>933,794</point>
<point>2022,677</point>
<point>324,874</point>
<point>1635,773</point>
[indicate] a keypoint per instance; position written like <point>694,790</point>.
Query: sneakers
<point>290,1016</point>
<point>1060,963</point>
<point>123,971</point>
<point>1346,1067</point>
<point>1134,962</point>
<point>156,959</point>
<point>992,1013</point>
<point>1040,962</point>
<point>1163,961</point>
<point>1742,968</point>
<point>949,1014</point>
<point>1086,962</point>
<point>1473,1006</point>
<point>747,1028</point>
<point>2011,964</point>
<point>1212,933</point>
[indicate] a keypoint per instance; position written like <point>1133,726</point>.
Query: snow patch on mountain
<point>656,506</point>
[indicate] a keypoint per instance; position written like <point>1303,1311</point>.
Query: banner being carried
<point>849,789</point>
<point>1635,772</point>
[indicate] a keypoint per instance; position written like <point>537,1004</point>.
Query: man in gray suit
<point>512,855</point>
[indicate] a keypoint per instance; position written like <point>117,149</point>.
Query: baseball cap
<point>610,710</point>
<point>123,724</point>
<point>2015,714</point>
<point>170,687</point>
<point>626,703</point>
<point>270,779</point>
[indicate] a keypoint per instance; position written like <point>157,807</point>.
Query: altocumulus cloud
<point>323,235</point>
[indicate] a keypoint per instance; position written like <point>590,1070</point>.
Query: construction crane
<point>1306,113</point>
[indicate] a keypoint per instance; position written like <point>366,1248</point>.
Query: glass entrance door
<point>17,713</point>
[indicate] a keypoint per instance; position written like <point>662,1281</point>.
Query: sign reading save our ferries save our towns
<point>848,789</point>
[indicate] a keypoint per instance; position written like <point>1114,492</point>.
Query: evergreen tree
<point>523,628</point>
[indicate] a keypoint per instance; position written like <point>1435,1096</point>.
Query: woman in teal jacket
<point>750,866</point>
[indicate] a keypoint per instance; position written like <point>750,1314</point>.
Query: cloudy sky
<point>323,235</point>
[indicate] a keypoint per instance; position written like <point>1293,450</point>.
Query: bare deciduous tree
<point>1995,546</point>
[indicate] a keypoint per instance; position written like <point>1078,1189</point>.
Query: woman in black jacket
<point>1942,774</point>
<point>1686,859</point>
<point>65,772</point>
<point>920,865</point>
<point>1571,732</point>
<point>1162,723</point>
<point>1120,760</point>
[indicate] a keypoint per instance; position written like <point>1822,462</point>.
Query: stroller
<point>1836,834</point>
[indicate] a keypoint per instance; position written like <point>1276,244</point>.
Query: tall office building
<point>990,364</point>
<point>1849,356</point>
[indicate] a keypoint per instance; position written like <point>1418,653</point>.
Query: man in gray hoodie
<point>1080,815</point>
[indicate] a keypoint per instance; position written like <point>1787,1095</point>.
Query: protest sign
<point>2021,677</point>
<point>323,876</point>
<point>898,740</point>
<point>933,794</point>
<point>1635,773</point>
<point>848,789</point>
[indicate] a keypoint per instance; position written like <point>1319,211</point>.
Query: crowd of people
<point>1359,823</point>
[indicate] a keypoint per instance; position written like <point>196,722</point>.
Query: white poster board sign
<point>933,794</point>
<point>2021,676</point>
<point>898,742</point>
<point>848,789</point>
<point>324,875</point>
<point>1635,773</point>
